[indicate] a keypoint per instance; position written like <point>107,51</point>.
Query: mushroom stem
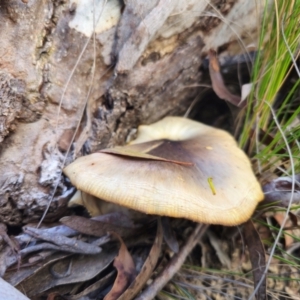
<point>174,264</point>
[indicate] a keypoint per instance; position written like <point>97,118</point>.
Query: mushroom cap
<point>175,167</point>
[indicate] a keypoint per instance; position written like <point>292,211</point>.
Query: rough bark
<point>147,55</point>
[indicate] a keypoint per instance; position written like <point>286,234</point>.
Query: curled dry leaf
<point>168,188</point>
<point>126,272</point>
<point>279,191</point>
<point>218,83</point>
<point>140,153</point>
<point>147,268</point>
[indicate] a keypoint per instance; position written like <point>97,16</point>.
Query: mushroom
<point>175,167</point>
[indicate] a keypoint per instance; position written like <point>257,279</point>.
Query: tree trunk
<point>142,64</point>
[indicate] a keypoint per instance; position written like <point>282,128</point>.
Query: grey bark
<point>148,54</point>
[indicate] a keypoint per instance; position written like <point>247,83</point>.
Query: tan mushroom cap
<point>176,167</point>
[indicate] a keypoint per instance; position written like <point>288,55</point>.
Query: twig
<point>174,265</point>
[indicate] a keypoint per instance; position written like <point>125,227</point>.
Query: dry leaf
<point>94,227</point>
<point>70,270</point>
<point>126,272</point>
<point>147,268</point>
<point>288,233</point>
<point>218,83</point>
<point>257,257</point>
<point>136,152</point>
